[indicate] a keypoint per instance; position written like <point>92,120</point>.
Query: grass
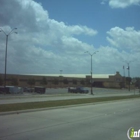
<point>47,104</point>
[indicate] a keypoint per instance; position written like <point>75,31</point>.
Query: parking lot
<point>62,94</point>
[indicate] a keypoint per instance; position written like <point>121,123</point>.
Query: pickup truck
<point>77,90</point>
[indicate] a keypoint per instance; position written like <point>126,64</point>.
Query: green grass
<point>47,104</point>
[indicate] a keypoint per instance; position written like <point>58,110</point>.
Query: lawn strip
<point>47,104</point>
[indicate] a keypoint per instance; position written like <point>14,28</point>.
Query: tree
<point>14,81</point>
<point>31,81</point>
<point>44,81</point>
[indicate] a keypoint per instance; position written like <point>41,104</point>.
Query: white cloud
<point>123,3</point>
<point>127,38</point>
<point>42,45</point>
<point>125,48</point>
<point>103,1</point>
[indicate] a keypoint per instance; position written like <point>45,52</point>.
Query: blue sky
<point>93,14</point>
<point>53,36</point>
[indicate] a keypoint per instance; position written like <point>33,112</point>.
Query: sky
<point>53,36</point>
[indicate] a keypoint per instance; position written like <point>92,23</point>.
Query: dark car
<point>40,90</point>
<point>77,90</point>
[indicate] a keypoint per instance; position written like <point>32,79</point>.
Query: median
<point>59,103</point>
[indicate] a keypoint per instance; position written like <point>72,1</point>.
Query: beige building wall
<point>110,81</point>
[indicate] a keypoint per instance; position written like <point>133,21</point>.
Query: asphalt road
<point>102,121</point>
<point>61,94</point>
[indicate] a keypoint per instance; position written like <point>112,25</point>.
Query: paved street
<point>102,121</point>
<point>62,94</point>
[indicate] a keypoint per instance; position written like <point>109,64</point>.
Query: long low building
<point>64,80</point>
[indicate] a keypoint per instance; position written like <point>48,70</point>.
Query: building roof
<point>74,75</point>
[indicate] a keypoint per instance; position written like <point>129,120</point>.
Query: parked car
<point>29,90</point>
<point>77,90</point>
<point>20,90</point>
<point>40,90</point>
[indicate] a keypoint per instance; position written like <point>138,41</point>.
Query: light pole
<point>124,80</point>
<point>7,35</point>
<point>61,72</point>
<point>91,80</point>
<point>128,68</point>
<point>128,74</point>
<point>61,78</point>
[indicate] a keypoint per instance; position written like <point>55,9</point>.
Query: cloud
<point>123,3</point>
<point>42,45</point>
<point>103,2</point>
<point>127,38</point>
<point>124,47</point>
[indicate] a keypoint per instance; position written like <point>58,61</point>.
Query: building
<point>65,80</point>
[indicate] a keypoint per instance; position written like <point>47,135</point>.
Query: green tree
<point>31,82</point>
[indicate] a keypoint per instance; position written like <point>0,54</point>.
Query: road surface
<point>102,121</point>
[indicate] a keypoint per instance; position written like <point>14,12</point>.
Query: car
<point>77,90</point>
<point>40,90</point>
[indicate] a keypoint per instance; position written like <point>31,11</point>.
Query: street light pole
<point>61,72</point>
<point>128,68</point>
<point>124,79</point>
<point>5,62</point>
<point>128,74</point>
<point>7,35</point>
<point>91,80</point>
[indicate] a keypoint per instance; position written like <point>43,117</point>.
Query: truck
<point>11,89</point>
<point>77,90</point>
